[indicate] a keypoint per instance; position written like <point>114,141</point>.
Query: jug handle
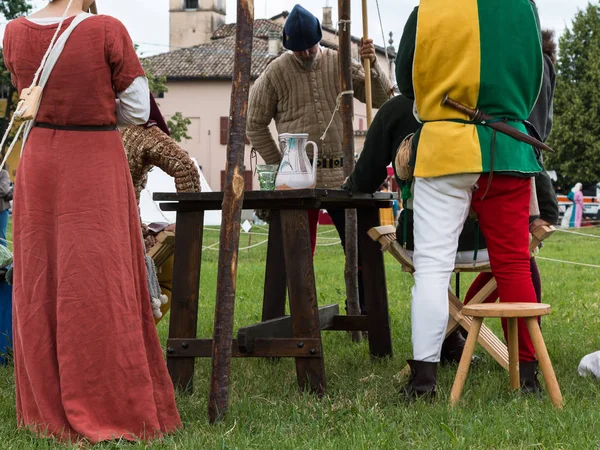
<point>315,158</point>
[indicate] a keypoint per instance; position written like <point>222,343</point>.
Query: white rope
<point>569,262</point>
<point>387,57</point>
<point>345,23</point>
<point>319,235</point>
<point>327,232</point>
<point>338,103</point>
<point>33,84</point>
<point>250,232</point>
<point>211,247</point>
<point>579,234</point>
<point>329,245</point>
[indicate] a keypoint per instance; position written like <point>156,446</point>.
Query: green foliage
<point>178,125</point>
<point>576,132</point>
<point>11,9</point>
<point>157,83</point>
<point>4,73</point>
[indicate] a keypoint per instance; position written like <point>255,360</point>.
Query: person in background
<point>88,362</point>
<point>386,215</point>
<point>576,196</point>
<point>5,198</point>
<point>299,90</point>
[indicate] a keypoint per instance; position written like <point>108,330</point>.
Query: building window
<point>192,4</point>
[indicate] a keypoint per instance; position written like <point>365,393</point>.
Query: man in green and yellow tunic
<point>485,54</point>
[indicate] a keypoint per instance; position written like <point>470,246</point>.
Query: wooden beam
<point>280,328</point>
<point>218,401</point>
<point>349,323</point>
<point>347,113</point>
<point>275,275</point>
<point>263,348</point>
<point>302,292</point>
<point>186,290</point>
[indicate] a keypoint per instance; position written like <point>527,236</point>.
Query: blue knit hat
<point>302,30</point>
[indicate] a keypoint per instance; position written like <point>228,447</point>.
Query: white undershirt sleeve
<point>133,104</point>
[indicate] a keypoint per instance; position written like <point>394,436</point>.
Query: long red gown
<point>88,362</point>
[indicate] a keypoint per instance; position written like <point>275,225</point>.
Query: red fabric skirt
<point>88,362</point>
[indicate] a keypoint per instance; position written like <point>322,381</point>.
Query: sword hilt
<point>473,114</point>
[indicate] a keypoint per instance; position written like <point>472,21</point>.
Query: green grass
<point>362,408</point>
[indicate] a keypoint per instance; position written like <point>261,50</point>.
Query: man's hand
<point>538,223</point>
<point>367,50</point>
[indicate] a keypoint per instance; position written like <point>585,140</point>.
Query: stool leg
<point>544,360</point>
<point>513,353</point>
<point>465,362</point>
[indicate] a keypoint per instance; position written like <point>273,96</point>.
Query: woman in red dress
<point>88,362</point>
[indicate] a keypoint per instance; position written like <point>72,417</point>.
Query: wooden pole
<point>232,210</point>
<point>367,65</point>
<point>347,113</point>
<point>93,8</point>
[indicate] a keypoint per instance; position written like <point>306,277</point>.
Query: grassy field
<point>362,408</point>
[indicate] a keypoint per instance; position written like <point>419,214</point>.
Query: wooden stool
<point>512,311</point>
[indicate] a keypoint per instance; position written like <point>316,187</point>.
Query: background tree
<point>178,125</point>
<point>10,9</point>
<point>576,132</point>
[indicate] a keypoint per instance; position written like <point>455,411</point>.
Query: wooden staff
<point>347,113</point>
<point>93,8</point>
<point>367,65</point>
<point>218,400</point>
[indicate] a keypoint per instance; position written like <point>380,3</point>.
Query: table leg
<point>185,294</point>
<point>303,296</point>
<point>275,276</point>
<point>373,272</point>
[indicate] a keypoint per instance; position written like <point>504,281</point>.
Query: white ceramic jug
<point>295,170</point>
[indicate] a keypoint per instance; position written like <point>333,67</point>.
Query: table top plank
<point>292,199</point>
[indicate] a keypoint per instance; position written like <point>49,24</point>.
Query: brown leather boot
<point>422,380</point>
<point>452,348</point>
<point>529,381</point>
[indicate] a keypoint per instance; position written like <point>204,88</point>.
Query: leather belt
<point>52,126</point>
<point>330,163</point>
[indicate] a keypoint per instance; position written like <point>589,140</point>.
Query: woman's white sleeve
<point>133,104</point>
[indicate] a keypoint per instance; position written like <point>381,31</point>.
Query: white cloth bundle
<point>590,365</point>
